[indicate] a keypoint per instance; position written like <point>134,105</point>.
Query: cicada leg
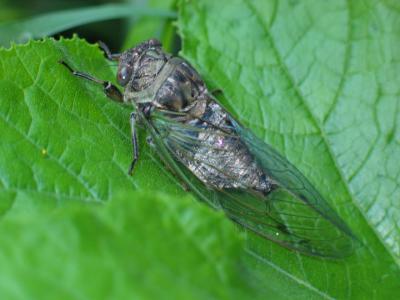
<point>110,90</point>
<point>107,52</point>
<point>135,146</point>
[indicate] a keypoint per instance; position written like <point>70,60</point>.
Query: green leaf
<point>62,140</point>
<point>65,151</point>
<point>51,23</point>
<point>139,246</point>
<point>319,82</point>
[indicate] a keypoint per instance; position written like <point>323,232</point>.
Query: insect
<point>217,158</point>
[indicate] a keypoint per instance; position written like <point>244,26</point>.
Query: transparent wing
<point>294,214</point>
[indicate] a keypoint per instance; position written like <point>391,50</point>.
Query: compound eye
<point>124,75</point>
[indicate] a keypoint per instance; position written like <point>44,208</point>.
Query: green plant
<point>319,82</point>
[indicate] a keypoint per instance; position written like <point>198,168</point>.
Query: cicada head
<point>139,66</point>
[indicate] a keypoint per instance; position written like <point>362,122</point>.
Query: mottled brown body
<point>222,161</point>
<point>218,158</point>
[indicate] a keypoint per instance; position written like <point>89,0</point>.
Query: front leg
<point>110,90</point>
<point>135,146</point>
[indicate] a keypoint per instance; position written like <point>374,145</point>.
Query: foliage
<point>319,82</point>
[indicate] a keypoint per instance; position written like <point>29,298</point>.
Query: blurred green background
<point>117,32</point>
<point>14,10</point>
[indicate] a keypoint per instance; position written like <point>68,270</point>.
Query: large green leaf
<point>62,140</point>
<point>139,246</point>
<point>298,73</point>
<point>65,151</point>
<point>320,82</point>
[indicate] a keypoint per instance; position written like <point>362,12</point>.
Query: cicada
<point>223,163</point>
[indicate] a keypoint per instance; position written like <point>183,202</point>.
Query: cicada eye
<point>124,75</point>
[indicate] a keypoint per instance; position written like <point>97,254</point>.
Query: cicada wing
<point>288,222</point>
<point>293,215</point>
<point>288,177</point>
<point>296,196</point>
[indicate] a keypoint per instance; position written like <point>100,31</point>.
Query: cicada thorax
<point>157,77</point>
<point>181,89</point>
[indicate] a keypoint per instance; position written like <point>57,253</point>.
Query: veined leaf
<point>317,81</point>
<point>65,154</point>
<point>320,82</point>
